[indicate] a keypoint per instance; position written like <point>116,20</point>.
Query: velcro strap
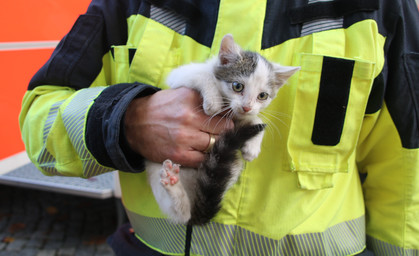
<point>332,102</point>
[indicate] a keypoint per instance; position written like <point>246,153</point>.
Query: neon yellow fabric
<point>222,239</point>
<point>294,187</point>
<point>397,206</point>
<point>317,186</point>
<point>52,120</point>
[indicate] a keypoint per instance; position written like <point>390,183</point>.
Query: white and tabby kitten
<point>242,83</point>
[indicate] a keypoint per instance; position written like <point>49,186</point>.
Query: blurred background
<point>29,33</point>
<point>40,216</point>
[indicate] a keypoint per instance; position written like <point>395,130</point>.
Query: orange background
<point>22,21</point>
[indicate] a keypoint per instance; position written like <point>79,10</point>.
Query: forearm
<point>104,127</point>
<point>68,132</point>
<point>44,120</point>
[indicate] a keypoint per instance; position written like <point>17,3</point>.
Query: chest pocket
<point>331,98</point>
<point>151,58</point>
<point>150,51</point>
<point>146,62</point>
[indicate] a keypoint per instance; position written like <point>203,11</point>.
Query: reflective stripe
<point>73,117</point>
<point>50,119</point>
<point>159,233</point>
<point>383,249</point>
<point>168,18</point>
<point>46,160</point>
<point>321,24</point>
<point>217,239</point>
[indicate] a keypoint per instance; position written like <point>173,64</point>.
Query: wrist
<point>134,112</point>
<point>105,124</point>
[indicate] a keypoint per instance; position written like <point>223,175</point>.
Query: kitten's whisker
<point>225,115</point>
<point>277,113</point>
<point>271,126</point>
<point>208,121</point>
<point>198,109</point>
<point>277,118</point>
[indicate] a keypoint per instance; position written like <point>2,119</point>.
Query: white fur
<point>175,200</point>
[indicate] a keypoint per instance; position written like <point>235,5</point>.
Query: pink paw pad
<point>169,173</point>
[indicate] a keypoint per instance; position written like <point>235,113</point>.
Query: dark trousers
<point>124,243</point>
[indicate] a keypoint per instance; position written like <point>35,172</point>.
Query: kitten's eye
<point>263,96</point>
<point>237,87</point>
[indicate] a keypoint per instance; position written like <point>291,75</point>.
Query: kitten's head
<point>248,81</point>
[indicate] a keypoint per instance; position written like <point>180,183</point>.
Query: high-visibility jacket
<point>339,166</point>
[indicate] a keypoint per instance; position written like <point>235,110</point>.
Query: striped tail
<point>215,173</point>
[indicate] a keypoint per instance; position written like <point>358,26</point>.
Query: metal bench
<point>17,170</point>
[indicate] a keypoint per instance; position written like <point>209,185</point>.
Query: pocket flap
<point>331,98</point>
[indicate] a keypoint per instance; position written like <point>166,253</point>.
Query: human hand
<point>171,124</point>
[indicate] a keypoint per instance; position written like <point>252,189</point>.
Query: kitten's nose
<point>246,109</point>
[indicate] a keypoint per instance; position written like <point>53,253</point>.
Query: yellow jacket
<point>352,110</point>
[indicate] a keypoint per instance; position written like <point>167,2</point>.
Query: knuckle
<point>186,116</point>
<point>179,136</point>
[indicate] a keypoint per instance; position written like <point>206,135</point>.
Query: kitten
<point>241,83</point>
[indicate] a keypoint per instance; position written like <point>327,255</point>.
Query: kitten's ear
<point>283,73</point>
<point>229,50</point>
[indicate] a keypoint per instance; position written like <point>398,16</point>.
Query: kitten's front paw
<point>211,107</point>
<point>250,151</point>
<point>170,173</point>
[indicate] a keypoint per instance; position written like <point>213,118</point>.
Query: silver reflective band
<point>73,117</point>
<point>168,18</point>
<point>320,24</point>
<point>46,160</point>
<point>217,239</point>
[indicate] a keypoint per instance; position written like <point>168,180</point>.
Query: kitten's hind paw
<point>170,173</point>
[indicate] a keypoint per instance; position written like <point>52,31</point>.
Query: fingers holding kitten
<point>216,124</point>
<point>167,125</point>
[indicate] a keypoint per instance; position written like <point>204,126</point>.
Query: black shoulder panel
<point>284,19</point>
<point>201,17</point>
<point>332,9</point>
<point>277,25</point>
<point>77,60</point>
<point>401,70</point>
<point>202,27</point>
<point>186,8</point>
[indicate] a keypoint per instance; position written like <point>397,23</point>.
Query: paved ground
<point>38,223</point>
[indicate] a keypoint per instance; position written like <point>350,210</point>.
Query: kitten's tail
<point>215,173</point>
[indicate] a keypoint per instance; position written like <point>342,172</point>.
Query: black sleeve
<point>77,60</point>
<point>401,70</point>
<point>104,127</point>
